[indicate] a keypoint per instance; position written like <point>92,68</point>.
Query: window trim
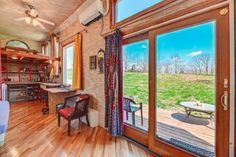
<point>140,14</point>
<point>134,39</point>
<point>63,59</point>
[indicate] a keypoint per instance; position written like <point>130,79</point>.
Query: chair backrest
<point>71,100</point>
<point>127,103</point>
<point>83,104</point>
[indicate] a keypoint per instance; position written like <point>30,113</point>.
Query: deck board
<point>172,124</point>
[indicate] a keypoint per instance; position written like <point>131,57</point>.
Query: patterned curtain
<point>114,84</point>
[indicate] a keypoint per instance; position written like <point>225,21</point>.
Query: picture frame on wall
<point>93,62</point>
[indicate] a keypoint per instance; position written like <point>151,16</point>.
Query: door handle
<point>224,100</point>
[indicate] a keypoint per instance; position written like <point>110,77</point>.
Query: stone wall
<point>35,45</point>
<point>93,41</point>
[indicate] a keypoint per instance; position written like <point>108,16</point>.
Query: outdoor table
<point>199,107</point>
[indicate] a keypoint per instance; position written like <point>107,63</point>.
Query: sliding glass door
<point>176,87</point>
<point>185,88</point>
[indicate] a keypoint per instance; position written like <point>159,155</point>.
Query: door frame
<point>222,70</point>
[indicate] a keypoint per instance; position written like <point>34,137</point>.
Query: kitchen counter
<point>58,90</point>
<point>21,83</point>
<point>56,95</point>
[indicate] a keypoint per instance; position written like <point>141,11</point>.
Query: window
<point>124,8</point>
<point>68,56</point>
<point>46,49</point>
<point>17,44</point>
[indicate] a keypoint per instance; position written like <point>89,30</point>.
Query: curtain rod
<point>84,30</point>
<point>172,20</point>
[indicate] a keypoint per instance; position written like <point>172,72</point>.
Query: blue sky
<point>126,8</point>
<point>185,43</point>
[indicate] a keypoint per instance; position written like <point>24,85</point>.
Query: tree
<point>144,64</point>
<point>177,63</point>
<point>125,59</point>
<point>205,61</point>
<point>133,68</point>
<point>197,64</point>
<point>167,67</point>
<point>212,69</point>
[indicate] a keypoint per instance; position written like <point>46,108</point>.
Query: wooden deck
<point>171,125</point>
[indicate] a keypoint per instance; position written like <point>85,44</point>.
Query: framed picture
<point>93,62</point>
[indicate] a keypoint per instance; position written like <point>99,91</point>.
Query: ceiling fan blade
<point>46,21</point>
<point>37,23</point>
<point>20,19</point>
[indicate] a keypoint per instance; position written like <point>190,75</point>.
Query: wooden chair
<point>80,109</point>
<point>69,102</point>
<point>131,106</point>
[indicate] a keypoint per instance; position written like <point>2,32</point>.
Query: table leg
<point>187,111</point>
<point>212,119</point>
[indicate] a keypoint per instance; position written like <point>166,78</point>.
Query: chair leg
<point>127,115</point>
<point>133,118</point>
<point>69,126</point>
<point>59,120</point>
<point>87,120</point>
<point>141,116</point>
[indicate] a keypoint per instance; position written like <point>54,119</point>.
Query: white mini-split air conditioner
<point>92,12</point>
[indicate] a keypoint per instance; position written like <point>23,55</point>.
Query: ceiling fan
<point>31,17</point>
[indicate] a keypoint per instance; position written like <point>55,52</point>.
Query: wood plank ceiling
<point>53,10</point>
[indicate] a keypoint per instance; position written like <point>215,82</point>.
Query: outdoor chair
<point>131,106</point>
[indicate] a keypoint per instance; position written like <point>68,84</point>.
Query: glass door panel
<point>185,88</point>
<point>135,73</point>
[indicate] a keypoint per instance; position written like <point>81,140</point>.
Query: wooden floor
<point>171,125</point>
<point>35,135</point>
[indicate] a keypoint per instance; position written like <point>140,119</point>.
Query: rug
<point>193,149</point>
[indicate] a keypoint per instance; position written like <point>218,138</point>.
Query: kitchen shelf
<point>23,92</point>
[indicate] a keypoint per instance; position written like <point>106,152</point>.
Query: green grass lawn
<point>171,89</point>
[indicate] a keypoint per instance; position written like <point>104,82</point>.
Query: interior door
<point>189,87</point>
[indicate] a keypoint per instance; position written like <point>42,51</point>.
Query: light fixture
<point>27,20</point>
<point>34,22</point>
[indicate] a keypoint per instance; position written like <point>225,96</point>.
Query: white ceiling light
<point>27,20</point>
<point>34,22</point>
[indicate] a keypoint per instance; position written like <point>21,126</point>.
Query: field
<point>171,88</point>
